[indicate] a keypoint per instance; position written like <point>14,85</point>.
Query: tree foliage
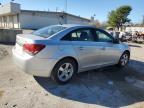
<point>118,17</point>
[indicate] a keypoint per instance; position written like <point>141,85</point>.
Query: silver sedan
<point>61,51</point>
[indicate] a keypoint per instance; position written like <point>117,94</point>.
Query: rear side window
<point>48,31</point>
<point>79,35</point>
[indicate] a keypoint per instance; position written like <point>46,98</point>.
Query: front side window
<point>79,35</point>
<point>48,31</point>
<point>103,37</point>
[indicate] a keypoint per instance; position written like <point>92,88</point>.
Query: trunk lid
<point>22,39</point>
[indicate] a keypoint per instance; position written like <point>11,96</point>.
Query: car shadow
<point>109,87</point>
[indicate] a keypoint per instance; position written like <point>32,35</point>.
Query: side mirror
<point>116,41</point>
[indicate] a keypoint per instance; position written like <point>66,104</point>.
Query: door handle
<point>81,48</point>
<point>103,48</point>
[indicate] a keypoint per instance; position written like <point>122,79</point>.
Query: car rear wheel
<point>124,59</point>
<point>64,70</point>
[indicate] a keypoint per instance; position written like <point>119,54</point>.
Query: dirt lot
<point>108,87</point>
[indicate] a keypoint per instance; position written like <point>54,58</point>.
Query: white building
<point>133,29</point>
<point>11,16</point>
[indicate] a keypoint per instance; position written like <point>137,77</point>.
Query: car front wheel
<point>124,59</point>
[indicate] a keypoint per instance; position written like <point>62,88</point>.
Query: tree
<point>118,17</point>
<point>112,19</point>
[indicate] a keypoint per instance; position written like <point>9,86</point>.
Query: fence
<point>9,35</point>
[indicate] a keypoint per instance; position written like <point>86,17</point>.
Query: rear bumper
<point>33,65</point>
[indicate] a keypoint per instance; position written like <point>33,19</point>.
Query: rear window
<point>48,31</point>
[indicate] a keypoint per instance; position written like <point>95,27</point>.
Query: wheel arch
<point>127,51</point>
<point>69,57</point>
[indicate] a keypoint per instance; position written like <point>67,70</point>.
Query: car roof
<point>75,25</point>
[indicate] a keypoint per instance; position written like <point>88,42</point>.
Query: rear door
<point>87,49</point>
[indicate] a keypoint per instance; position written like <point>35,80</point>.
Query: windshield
<point>48,31</point>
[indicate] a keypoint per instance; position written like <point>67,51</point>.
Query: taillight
<point>33,48</point>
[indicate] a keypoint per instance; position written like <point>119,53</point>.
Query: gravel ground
<point>107,87</point>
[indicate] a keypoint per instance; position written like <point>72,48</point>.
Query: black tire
<point>120,64</point>
<point>55,72</point>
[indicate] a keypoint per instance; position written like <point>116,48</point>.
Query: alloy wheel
<point>124,59</point>
<point>65,72</point>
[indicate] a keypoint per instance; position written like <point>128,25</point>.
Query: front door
<point>109,51</point>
